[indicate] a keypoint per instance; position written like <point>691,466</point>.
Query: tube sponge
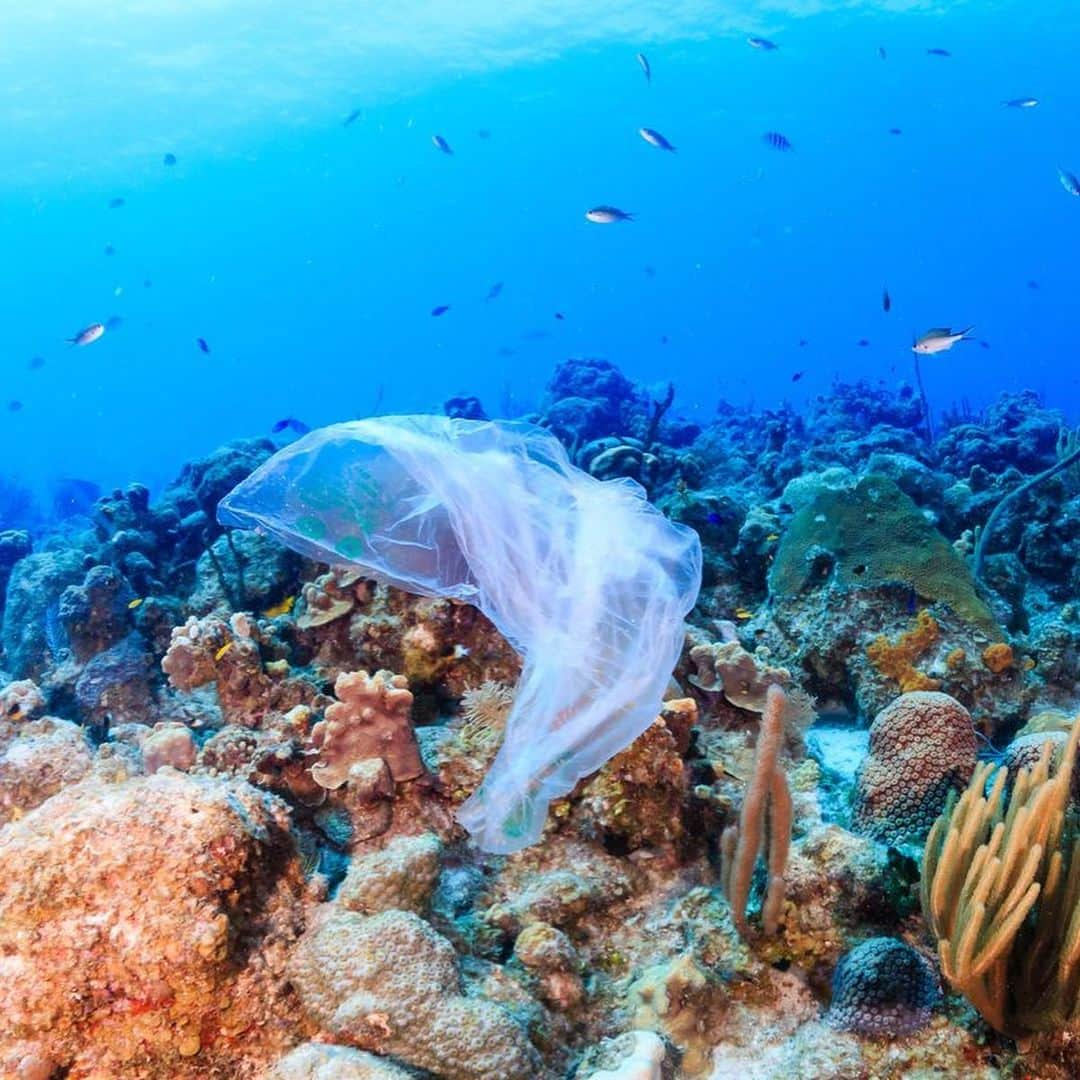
<point>587,580</point>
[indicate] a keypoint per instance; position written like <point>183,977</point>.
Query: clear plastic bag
<point>586,579</point>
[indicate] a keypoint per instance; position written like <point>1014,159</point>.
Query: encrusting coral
<point>765,818</point>
<point>1001,892</point>
<point>896,659</point>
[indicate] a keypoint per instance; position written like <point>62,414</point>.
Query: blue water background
<point>308,254</point>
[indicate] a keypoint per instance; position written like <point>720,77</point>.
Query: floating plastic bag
<point>586,579</point>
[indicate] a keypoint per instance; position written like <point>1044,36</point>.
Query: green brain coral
<point>868,535</point>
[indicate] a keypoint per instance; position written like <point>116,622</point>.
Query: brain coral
<point>883,988</point>
<point>389,983</point>
<point>921,747</point>
<point>869,535</point>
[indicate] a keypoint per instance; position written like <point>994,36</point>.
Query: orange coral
<point>998,657</point>
<point>955,659</point>
<point>895,660</point>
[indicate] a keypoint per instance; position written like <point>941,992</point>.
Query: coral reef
<point>228,778</point>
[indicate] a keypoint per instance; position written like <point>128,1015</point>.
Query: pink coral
<point>921,747</point>
<point>370,719</point>
<point>139,924</point>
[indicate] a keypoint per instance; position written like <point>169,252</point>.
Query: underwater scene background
<point>539,541</point>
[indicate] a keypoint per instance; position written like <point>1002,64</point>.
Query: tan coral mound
<point>141,925</point>
<point>389,983</point>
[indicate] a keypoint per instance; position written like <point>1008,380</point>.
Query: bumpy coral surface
<point>370,719</point>
<point>922,746</point>
<point>883,988</point>
<point>127,918</point>
<point>390,983</point>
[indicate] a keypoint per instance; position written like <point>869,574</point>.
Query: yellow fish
<point>772,536</point>
<point>742,614</point>
<point>222,651</point>
<point>283,608</point>
<point>133,604</point>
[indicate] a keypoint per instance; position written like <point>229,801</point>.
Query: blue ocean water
<point>308,253</point>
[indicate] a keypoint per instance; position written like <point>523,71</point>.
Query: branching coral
<point>767,799</point>
<point>1001,892</point>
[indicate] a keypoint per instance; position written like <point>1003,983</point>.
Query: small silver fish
<point>654,138</point>
<point>762,43</point>
<point>939,339</point>
<point>1069,182</point>
<point>644,62</point>
<point>88,335</point>
<point>441,144</point>
<point>1021,103</point>
<point>607,215</point>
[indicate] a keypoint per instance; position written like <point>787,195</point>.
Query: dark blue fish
<point>441,144</point>
<point>895,131</point>
<point>14,406</point>
<point>352,117</point>
<point>494,291</point>
<point>201,342</point>
<point>644,63</point>
<point>147,283</point>
<point>803,343</point>
<point>560,316</point>
<point>115,204</point>
<point>1033,285</point>
<point>912,601</point>
<point>938,52</point>
<point>169,160</point>
<point>881,52</point>
<point>886,301</point>
<point>483,133</point>
<point>114,322</point>
<point>109,249</point>
<point>863,343</point>
<point>762,43</point>
<point>654,138</point>
<point>797,376</point>
<point>441,309</point>
<point>505,351</point>
<point>290,423</point>
<point>777,141</point>
<point>36,363</point>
